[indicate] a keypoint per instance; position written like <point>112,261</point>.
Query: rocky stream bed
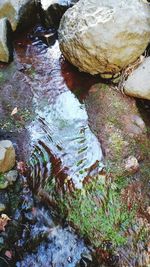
<point>78,194</point>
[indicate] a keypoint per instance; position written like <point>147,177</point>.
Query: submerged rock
<point>7,156</point>
<point>99,38</point>
<point>20,13</point>
<point>138,82</point>
<point>6,47</point>
<point>52,11</point>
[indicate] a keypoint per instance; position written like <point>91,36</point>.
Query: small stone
<point>138,82</point>
<point>132,165</point>
<point>7,156</point>
<point>11,177</point>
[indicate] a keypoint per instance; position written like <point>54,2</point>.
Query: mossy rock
<point>116,121</point>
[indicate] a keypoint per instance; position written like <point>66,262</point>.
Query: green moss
<point>113,121</point>
<point>98,211</point>
<point>104,87</point>
<point>117,144</point>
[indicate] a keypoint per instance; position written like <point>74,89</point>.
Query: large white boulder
<point>138,82</point>
<point>20,13</point>
<point>100,36</point>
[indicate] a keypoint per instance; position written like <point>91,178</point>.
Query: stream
<point>51,133</point>
<point>53,141</point>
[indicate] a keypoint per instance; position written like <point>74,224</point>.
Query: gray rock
<point>51,11</point>
<point>138,82</point>
<point>20,13</point>
<point>104,36</point>
<point>11,177</point>
<point>6,47</point>
<point>7,156</point>
<point>8,179</point>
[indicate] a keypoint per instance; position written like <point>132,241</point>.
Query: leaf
<point>15,110</point>
<point>3,221</point>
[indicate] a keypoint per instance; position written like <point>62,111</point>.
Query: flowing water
<point>60,136</point>
<point>56,142</point>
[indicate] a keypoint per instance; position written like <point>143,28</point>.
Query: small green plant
<point>99,212</point>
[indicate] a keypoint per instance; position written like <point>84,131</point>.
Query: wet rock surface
<point>20,13</point>
<point>98,38</point>
<point>6,46</point>
<point>51,12</point>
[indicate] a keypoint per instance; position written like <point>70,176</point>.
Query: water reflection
<point>60,129</point>
<point>63,128</point>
